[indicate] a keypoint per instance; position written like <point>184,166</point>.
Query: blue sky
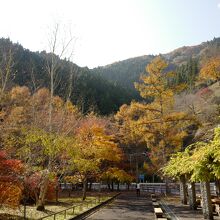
<point>112,30</point>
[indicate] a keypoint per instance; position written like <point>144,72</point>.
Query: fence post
<point>73,209</point>
<point>24,209</point>
<point>64,214</point>
<point>54,217</point>
<point>80,207</point>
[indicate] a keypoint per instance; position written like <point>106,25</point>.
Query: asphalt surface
<point>177,211</point>
<point>126,206</point>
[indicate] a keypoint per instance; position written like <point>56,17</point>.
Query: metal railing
<point>65,213</point>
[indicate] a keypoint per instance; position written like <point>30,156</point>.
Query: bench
<point>216,205</point>
<point>158,212</point>
<point>156,204</point>
<point>217,208</point>
<point>153,196</point>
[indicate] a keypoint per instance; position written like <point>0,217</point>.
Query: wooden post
<point>206,200</point>
<point>57,192</point>
<point>24,208</point>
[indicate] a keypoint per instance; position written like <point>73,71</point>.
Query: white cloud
<point>219,5</point>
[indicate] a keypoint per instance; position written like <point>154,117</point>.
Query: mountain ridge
<point>102,89</point>
<point>126,72</point>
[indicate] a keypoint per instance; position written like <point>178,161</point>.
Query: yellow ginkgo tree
<point>199,162</point>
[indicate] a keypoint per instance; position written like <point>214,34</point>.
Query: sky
<point>107,31</point>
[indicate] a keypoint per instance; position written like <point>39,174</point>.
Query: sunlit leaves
<point>200,161</point>
<point>155,122</point>
<point>92,146</point>
<point>10,193</point>
<point>50,144</point>
<point>211,69</point>
<point>116,174</point>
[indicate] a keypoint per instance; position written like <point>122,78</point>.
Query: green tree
<point>200,162</point>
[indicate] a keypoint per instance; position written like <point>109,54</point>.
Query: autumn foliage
<point>200,161</point>
<point>67,144</point>
<point>32,185</point>
<point>155,122</point>
<point>211,70</point>
<point>11,186</point>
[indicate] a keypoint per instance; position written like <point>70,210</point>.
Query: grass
<point>52,207</point>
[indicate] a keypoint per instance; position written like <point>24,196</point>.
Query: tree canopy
<point>200,161</point>
<point>156,122</point>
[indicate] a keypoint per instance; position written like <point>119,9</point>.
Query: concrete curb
<point>170,214</point>
<point>94,209</point>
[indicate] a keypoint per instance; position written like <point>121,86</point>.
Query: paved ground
<point>126,207</point>
<point>178,211</point>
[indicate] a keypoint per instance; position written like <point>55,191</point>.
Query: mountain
<point>102,89</point>
<point>89,92</point>
<point>125,73</point>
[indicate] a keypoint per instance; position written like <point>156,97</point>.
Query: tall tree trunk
<point>217,185</point>
<point>43,191</point>
<point>118,186</point>
<point>84,188</point>
<point>206,200</point>
<point>183,192</point>
<point>192,196</point>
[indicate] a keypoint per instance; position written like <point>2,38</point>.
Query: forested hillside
<point>125,73</point>
<point>103,89</point>
<point>89,92</point>
<point>186,61</point>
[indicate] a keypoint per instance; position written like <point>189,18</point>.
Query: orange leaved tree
<point>92,147</point>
